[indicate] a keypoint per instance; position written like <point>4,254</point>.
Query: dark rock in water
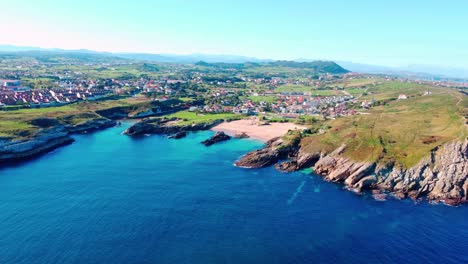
<point>218,137</point>
<point>242,135</point>
<point>179,135</point>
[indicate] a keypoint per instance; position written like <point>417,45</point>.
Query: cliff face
<point>443,176</point>
<point>51,135</point>
<point>46,140</point>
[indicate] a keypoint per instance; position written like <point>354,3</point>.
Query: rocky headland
<point>442,176</point>
<point>167,126</point>
<point>52,133</point>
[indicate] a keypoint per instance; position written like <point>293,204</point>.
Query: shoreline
<point>255,131</point>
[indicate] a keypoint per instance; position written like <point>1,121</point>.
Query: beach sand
<point>251,128</point>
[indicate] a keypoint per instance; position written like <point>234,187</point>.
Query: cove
<point>108,198</point>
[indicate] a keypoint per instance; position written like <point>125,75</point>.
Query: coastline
<point>287,155</point>
<point>440,177</point>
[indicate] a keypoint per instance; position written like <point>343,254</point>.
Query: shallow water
<point>108,198</point>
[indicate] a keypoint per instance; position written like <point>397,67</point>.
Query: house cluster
<point>162,86</point>
<point>330,106</point>
<point>49,97</point>
<point>289,106</point>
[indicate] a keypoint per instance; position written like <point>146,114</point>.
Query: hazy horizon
<point>400,34</point>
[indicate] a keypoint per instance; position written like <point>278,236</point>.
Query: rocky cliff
<point>442,176</point>
<point>44,141</point>
<point>51,134</point>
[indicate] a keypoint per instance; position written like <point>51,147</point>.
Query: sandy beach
<point>251,128</point>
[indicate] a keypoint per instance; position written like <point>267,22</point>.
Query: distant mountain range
<point>416,71</point>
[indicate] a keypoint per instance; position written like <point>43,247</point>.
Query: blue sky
<point>394,33</point>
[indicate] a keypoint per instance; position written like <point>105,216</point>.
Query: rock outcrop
<point>166,127</point>
<point>440,177</point>
<point>275,150</point>
<point>52,134</point>
<point>297,161</point>
<point>218,137</point>
<point>91,125</point>
<point>178,135</point>
<point>44,141</point>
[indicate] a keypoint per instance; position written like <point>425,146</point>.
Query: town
<point>221,87</point>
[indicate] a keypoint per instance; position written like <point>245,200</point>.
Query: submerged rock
<point>218,137</point>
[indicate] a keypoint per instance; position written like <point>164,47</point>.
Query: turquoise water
<point>108,198</point>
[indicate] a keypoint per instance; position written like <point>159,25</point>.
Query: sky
<point>391,33</point>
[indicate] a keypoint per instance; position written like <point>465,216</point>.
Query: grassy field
<point>401,131</point>
<point>195,118</point>
<point>307,89</point>
<point>391,90</point>
<point>359,82</point>
<point>16,123</point>
<point>355,91</point>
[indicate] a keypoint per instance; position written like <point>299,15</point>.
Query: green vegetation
<point>401,132</point>
<point>359,82</point>
<point>16,123</point>
<point>391,90</point>
<point>196,118</point>
<point>307,89</point>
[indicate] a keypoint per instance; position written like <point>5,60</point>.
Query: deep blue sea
<point>109,198</point>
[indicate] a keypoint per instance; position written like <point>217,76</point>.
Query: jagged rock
<point>218,137</point>
<point>178,135</point>
<point>274,150</point>
<point>298,161</point>
<point>442,176</point>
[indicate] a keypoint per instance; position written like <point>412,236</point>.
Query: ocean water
<point>108,198</point>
